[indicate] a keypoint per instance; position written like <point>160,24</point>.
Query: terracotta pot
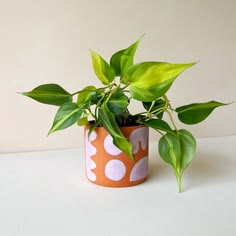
<point>106,165</point>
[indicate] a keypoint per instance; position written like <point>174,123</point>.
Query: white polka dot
<point>110,147</point>
<point>115,170</point>
<point>140,170</point>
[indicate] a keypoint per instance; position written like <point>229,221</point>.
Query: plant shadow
<point>207,169</point>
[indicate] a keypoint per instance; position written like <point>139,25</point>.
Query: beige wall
<point>47,41</point>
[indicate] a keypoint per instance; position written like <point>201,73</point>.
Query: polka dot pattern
<point>107,165</point>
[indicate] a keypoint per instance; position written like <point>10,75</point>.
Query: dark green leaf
<point>123,59</point>
<point>118,102</point>
<point>102,69</point>
<point>93,126</point>
<point>68,114</point>
<point>52,94</point>
<point>188,148</point>
<point>170,149</point>
<point>178,150</point>
<point>108,121</point>
<point>151,80</point>
<point>158,124</point>
<point>196,112</point>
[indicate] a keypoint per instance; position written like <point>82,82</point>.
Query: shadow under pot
<point>108,166</point>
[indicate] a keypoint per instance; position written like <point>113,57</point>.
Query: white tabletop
<point>47,194</point>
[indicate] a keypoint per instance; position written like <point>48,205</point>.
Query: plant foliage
<point>123,80</point>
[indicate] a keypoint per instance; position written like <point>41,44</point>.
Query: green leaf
<point>68,114</point>
<point>118,102</point>
<point>196,112</point>
<point>93,126</point>
<point>188,148</point>
<point>109,123</point>
<point>151,80</point>
<point>123,59</point>
<point>158,124</point>
<point>86,96</point>
<point>156,107</point>
<point>102,69</point>
<point>178,150</point>
<point>83,121</point>
<point>170,149</point>
<point>52,94</point>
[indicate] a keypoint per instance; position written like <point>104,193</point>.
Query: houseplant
<point>107,106</point>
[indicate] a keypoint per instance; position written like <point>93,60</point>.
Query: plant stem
<point>152,105</point>
<point>158,110</point>
<point>159,132</point>
<point>87,90</point>
<point>91,113</point>
<point>167,105</point>
<point>82,91</point>
<point>73,94</point>
<point>109,96</point>
<point>179,181</point>
<point>171,119</point>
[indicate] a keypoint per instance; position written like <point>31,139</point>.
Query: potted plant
<point>104,112</point>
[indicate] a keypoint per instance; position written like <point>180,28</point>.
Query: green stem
<point>109,96</point>
<point>73,94</point>
<point>179,181</point>
<point>87,90</point>
<point>159,132</point>
<point>152,105</point>
<point>91,113</point>
<point>171,119</point>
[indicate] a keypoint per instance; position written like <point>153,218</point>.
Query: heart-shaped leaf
<point>67,115</point>
<point>196,112</point>
<point>52,94</point>
<point>118,102</point>
<point>151,80</point>
<point>102,69</point>
<point>178,150</point>
<point>188,148</point>
<point>123,59</point>
<point>170,149</point>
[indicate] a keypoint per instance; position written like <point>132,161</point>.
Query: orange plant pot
<point>106,165</point>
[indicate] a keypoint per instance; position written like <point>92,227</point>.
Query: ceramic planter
<point>106,165</point>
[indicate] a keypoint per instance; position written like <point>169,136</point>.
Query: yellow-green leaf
<point>102,69</point>
<point>151,80</point>
<point>67,115</point>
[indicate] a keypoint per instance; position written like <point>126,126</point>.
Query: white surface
<point>47,194</point>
